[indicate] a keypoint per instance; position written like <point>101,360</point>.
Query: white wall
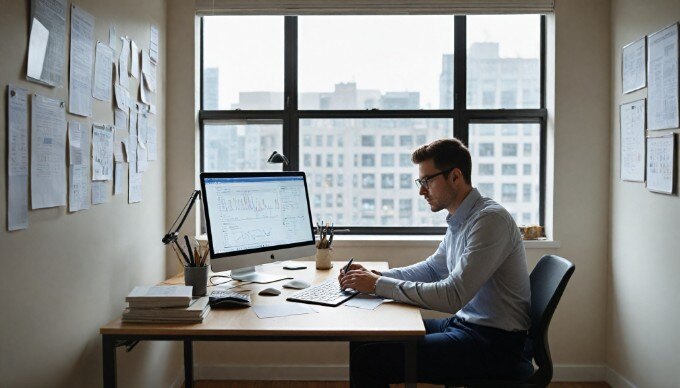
<point>579,162</point>
<point>68,274</point>
<point>643,340</point>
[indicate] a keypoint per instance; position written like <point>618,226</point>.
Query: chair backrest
<point>548,281</point>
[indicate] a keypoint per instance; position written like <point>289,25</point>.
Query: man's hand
<point>359,279</point>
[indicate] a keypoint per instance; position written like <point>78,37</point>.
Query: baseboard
<point>340,372</point>
<point>323,372</point>
<point>614,379</point>
<point>584,373</point>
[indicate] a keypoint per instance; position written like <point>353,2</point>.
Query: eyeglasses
<point>425,181</point>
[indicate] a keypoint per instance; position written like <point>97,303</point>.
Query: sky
<point>388,53</point>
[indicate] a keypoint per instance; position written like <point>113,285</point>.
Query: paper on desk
<point>80,69</point>
<point>364,301</point>
<point>17,158</point>
<point>48,152</point>
<point>282,310</point>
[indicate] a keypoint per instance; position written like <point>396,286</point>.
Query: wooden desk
<point>389,322</point>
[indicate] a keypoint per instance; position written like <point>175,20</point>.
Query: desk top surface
<point>386,321</point>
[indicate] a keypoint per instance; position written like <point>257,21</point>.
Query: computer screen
<point>255,218</point>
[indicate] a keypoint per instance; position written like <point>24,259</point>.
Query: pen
<point>192,262</point>
<point>348,264</point>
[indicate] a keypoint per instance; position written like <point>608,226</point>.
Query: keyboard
<point>327,293</point>
<point>220,297</point>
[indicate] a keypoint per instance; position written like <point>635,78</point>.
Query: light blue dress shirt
<point>479,272</point>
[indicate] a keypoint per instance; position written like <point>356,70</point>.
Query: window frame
<point>461,116</point>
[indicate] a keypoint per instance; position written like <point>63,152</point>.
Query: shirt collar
<point>456,219</point>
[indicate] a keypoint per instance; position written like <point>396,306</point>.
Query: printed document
<point>79,165</point>
<point>102,152</point>
<point>80,69</point>
<point>660,162</point>
<point>632,116</point>
<point>100,192</point>
<point>634,69</point>
<point>101,89</point>
<point>17,158</point>
<point>48,152</point>
<point>37,48</point>
<point>118,179</point>
<point>123,63</point>
<point>282,310</point>
<point>662,93</point>
<point>134,59</point>
<point>52,16</point>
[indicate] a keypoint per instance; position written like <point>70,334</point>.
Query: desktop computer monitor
<point>256,218</point>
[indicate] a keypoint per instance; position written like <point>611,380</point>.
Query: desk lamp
<point>172,235</point>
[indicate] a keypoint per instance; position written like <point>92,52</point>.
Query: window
<point>509,149</point>
<point>387,140</point>
<point>486,168</point>
<point>368,160</point>
<point>351,106</point>
<point>486,189</point>
<point>526,192</point>
<point>509,169</point>
<point>509,192</point>
<point>486,149</point>
<point>387,181</point>
<point>387,160</point>
<point>367,141</point>
<point>367,181</point>
<point>406,181</point>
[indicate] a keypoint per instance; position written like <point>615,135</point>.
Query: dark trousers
<point>451,349</point>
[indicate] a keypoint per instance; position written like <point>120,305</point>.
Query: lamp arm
<point>171,236</point>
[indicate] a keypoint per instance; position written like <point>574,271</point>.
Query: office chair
<point>548,281</point>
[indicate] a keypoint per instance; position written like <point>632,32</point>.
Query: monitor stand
<point>250,274</point>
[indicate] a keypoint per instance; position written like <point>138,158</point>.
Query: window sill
<point>417,241</point>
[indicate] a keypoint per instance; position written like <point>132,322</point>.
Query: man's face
<point>439,191</point>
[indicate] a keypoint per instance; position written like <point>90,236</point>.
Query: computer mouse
<point>297,284</point>
<point>269,292</point>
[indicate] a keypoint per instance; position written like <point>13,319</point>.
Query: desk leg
<point>352,348</point>
<point>188,364</point>
<point>411,361</point>
<point>109,359</point>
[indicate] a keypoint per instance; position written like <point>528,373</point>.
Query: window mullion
<point>290,101</point>
<point>460,127</point>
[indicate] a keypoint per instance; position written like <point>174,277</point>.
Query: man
<point>478,273</point>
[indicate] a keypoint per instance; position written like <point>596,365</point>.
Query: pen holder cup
<point>197,278</point>
<point>324,258</point>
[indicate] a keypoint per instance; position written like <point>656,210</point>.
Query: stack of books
<point>165,304</point>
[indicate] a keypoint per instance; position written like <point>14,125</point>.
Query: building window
<point>486,168</point>
<point>486,149</point>
<point>406,181</point>
<point>375,122</point>
<point>509,149</point>
<point>526,192</point>
<point>509,169</point>
<point>387,140</point>
<point>387,181</point>
<point>387,160</point>
<point>509,192</point>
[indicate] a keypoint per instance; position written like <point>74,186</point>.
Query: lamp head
<point>277,158</point>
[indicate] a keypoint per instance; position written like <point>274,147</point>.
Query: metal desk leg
<point>109,358</point>
<point>188,364</point>
<point>411,363</point>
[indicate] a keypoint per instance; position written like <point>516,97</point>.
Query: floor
<point>343,384</point>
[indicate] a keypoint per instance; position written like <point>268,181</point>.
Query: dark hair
<point>446,154</point>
